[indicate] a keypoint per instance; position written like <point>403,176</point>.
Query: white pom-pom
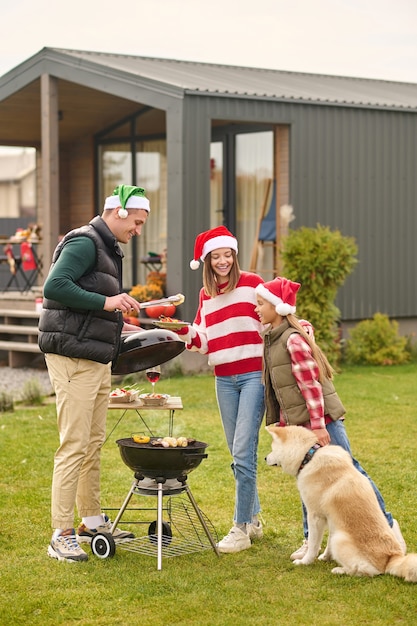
<point>194,264</point>
<point>285,309</point>
<point>123,213</point>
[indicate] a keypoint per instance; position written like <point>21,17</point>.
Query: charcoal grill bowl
<point>161,463</point>
<point>141,350</point>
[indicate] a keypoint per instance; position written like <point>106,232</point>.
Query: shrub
<point>6,402</point>
<point>319,259</point>
<point>31,392</point>
<point>153,290</point>
<point>376,342</point>
<point>144,293</point>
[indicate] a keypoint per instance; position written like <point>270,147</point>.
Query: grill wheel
<point>103,545</point>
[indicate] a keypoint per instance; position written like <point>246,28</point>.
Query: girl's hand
<point>322,435</point>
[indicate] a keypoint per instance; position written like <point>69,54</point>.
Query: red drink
<point>153,376</point>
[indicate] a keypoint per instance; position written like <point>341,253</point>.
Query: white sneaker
<point>398,535</point>
<point>235,541</point>
<point>65,548</point>
<point>255,531</point>
<point>85,535</point>
<point>301,552</point>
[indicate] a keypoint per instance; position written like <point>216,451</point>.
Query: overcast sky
<point>364,38</point>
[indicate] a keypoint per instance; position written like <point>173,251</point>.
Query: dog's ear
<point>274,430</point>
<point>279,432</point>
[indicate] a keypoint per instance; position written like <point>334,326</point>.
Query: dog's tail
<point>404,566</point>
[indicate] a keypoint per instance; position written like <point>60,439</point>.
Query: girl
<point>227,329</point>
<point>298,380</point>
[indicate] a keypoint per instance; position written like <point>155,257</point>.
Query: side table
<point>173,404</point>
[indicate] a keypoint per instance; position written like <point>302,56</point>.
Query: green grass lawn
<point>257,586</point>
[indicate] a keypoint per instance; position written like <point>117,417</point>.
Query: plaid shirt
<point>306,373</point>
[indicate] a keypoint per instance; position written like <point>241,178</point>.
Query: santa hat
<point>280,292</point>
<point>127,197</point>
<point>211,240</point>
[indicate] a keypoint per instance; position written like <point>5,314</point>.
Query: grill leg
<point>124,505</point>
<point>202,520</point>
<point>159,524</point>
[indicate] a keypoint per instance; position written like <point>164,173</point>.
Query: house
<point>18,184</point>
<point>209,142</point>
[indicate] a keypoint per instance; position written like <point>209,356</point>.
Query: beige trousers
<point>82,390</point>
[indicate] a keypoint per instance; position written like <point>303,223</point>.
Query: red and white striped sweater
<point>228,329</point>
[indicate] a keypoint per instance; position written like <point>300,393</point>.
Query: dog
<point>340,498</point>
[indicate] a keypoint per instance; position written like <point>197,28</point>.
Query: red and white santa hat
<point>280,292</point>
<point>210,240</point>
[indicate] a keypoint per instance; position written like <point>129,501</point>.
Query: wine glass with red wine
<point>153,374</point>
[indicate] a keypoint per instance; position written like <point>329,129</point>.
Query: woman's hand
<point>131,328</point>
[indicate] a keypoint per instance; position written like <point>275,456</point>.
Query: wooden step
<point>19,313</point>
<point>21,353</point>
<point>17,329</point>
<point>19,346</point>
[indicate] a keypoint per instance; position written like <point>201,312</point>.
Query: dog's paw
<point>303,561</point>
<point>326,556</point>
<point>338,570</point>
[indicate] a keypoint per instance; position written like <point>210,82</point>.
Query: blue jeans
<point>241,403</point>
<point>338,437</point>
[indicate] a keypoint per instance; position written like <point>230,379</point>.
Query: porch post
<point>49,210</point>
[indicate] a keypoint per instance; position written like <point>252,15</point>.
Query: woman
<point>227,329</point>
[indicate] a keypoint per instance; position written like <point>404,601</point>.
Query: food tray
<point>158,399</point>
<point>125,398</point>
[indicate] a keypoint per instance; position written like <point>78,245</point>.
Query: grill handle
<point>197,455</point>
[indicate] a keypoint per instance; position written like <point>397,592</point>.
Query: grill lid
<point>147,348</point>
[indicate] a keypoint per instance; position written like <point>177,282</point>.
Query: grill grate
<point>188,535</point>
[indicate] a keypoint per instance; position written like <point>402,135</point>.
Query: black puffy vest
<point>76,333</point>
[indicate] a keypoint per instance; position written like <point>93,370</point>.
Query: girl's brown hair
<point>210,279</point>
<point>325,369</point>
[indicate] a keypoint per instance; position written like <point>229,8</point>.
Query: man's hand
<point>122,302</point>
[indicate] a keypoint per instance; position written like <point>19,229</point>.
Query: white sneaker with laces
<point>235,541</point>
<point>301,552</point>
<point>255,531</point>
<point>85,535</point>
<point>65,548</point>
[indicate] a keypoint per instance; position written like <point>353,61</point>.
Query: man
<point>80,332</point>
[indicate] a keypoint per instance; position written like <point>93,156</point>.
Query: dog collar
<point>309,455</point>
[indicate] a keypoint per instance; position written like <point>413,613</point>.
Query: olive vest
<point>86,334</point>
<point>281,389</point>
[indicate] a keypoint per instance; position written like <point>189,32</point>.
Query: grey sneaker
<point>235,541</point>
<point>65,548</point>
<point>398,535</point>
<point>301,552</point>
<point>255,531</point>
<point>85,535</point>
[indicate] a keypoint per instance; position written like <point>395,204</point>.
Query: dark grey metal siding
<point>355,170</point>
<point>352,169</point>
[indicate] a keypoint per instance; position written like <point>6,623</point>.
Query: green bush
<point>31,392</point>
<point>6,402</point>
<point>320,259</point>
<point>376,342</point>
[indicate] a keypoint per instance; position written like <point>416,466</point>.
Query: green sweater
<point>77,258</point>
